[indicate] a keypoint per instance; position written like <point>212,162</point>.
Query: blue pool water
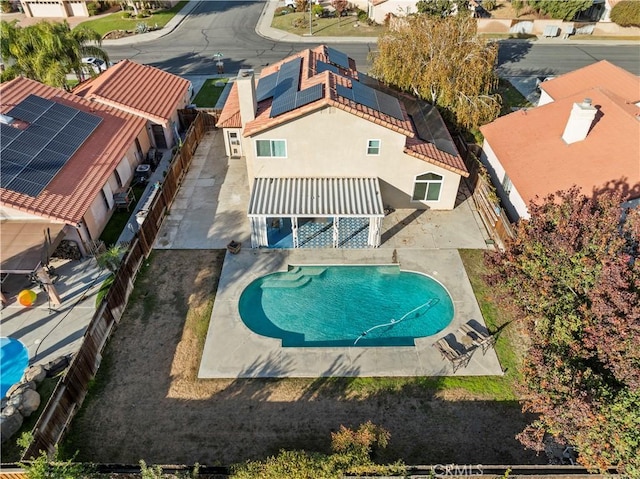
<point>14,358</point>
<point>334,305</point>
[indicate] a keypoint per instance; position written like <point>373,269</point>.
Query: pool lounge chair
<point>478,335</point>
<point>458,355</point>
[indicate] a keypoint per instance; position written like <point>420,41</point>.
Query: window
<point>506,184</point>
<point>427,187</point>
<point>271,148</point>
<point>373,147</point>
<point>106,201</point>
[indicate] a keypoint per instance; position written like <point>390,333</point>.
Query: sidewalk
<point>264,29</point>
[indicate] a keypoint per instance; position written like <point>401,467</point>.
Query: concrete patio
<point>210,211</point>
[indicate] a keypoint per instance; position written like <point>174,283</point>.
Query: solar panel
<point>364,95</point>
<point>31,157</point>
<point>266,87</point>
<point>292,100</point>
<point>283,103</point>
<point>288,77</point>
<point>322,66</point>
<point>344,92</point>
<point>308,95</point>
<point>338,58</point>
<point>389,105</point>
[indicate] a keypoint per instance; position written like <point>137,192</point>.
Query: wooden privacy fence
<point>71,389</point>
<point>493,216</point>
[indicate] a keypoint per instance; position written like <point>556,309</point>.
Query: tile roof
<point>68,196</point>
<point>419,147</point>
<point>144,89</point>
<point>602,75</point>
<point>530,147</point>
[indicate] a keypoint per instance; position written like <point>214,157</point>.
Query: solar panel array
<point>33,156</point>
<point>338,58</point>
<point>292,100</point>
<point>371,98</point>
<point>284,80</point>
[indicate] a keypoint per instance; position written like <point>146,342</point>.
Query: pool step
<point>285,283</point>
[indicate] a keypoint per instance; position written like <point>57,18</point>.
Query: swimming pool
<point>327,306</point>
<point>14,358</point>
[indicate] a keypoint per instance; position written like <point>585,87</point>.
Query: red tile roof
<point>68,196</point>
<point>419,148</point>
<point>146,90</point>
<point>530,147</point>
<point>598,75</point>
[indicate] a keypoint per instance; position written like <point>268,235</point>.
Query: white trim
<point>379,147</point>
<point>255,142</point>
<point>427,182</point>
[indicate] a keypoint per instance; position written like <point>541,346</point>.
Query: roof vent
<point>586,102</point>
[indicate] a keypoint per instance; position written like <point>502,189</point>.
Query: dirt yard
<point>147,403</point>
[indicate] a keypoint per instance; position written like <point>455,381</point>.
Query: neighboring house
<point>585,132</point>
<point>64,8</point>
<point>63,159</point>
<point>378,10</point>
<point>327,144</point>
<point>145,91</point>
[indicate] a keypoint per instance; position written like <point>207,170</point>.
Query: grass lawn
<point>119,219</point>
<point>115,21</point>
<point>326,27</point>
<point>209,93</point>
<point>511,97</point>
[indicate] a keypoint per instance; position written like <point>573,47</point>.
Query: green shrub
<point>489,4</point>
<point>93,8</point>
<point>6,6</point>
<point>626,13</point>
<point>126,14</point>
<point>362,16</point>
<point>317,10</point>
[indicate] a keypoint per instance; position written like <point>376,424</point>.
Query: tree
<point>517,6</point>
<point>626,13</point>
<point>340,6</point>
<point>47,52</point>
<point>442,8</point>
<point>573,271</point>
<point>111,258</point>
<point>565,10</point>
<point>444,62</point>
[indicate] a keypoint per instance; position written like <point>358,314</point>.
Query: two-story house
<point>328,149</point>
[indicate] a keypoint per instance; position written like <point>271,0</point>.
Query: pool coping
<point>232,350</point>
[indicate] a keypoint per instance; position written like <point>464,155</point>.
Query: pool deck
<point>232,350</point>
<point>210,211</point>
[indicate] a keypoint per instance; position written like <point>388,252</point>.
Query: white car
<point>96,64</point>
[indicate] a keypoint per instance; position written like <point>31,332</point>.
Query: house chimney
<point>580,121</point>
<point>247,95</point>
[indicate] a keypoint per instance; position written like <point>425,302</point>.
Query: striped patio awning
<point>316,197</point>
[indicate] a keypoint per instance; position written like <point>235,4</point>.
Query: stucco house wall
<point>333,143</point>
<point>512,202</point>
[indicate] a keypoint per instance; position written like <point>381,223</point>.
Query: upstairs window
<point>373,147</point>
<point>427,187</point>
<point>271,148</point>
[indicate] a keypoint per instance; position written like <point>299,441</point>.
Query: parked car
<point>96,65</point>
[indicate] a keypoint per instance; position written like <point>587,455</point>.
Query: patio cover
<point>25,245</point>
<point>316,197</point>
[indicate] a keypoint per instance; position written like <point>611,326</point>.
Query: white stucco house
<point>327,145</point>
<point>585,131</point>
